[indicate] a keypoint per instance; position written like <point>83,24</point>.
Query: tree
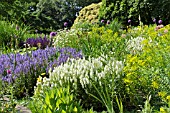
<point>43,15</point>
<point>133,9</point>
<point>53,13</point>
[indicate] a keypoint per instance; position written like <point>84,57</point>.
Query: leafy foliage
<point>42,15</point>
<point>80,73</point>
<point>11,34</point>
<point>136,10</point>
<point>94,40</point>
<point>55,100</point>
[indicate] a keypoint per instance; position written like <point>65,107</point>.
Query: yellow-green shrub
<point>147,72</point>
<point>88,14</point>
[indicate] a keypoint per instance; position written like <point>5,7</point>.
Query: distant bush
<point>11,34</point>
<point>88,14</point>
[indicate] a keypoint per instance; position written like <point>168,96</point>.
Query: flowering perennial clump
<point>19,64</point>
<point>81,71</point>
<point>134,45</point>
<point>38,42</point>
<point>63,37</point>
<point>39,61</point>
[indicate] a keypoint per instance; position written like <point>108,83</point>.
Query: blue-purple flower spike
<point>41,60</point>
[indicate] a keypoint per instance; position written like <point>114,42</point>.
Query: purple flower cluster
<point>38,42</point>
<point>154,20</point>
<point>65,24</point>
<point>102,21</point>
<point>36,62</point>
<point>17,64</point>
<point>64,54</point>
<point>129,21</point>
<point>105,22</point>
<point>160,21</point>
<point>52,34</point>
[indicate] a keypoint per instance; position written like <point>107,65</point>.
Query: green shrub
<point>146,70</point>
<point>55,100</point>
<point>93,41</point>
<point>11,34</point>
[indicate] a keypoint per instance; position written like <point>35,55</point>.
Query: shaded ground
<point>19,108</point>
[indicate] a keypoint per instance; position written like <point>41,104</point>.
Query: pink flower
<point>52,34</point>
<point>108,21</point>
<point>129,21</point>
<point>160,21</point>
<point>166,30</point>
<point>102,21</point>
<point>65,24</point>
<point>159,27</point>
<point>8,71</point>
<point>154,20</point>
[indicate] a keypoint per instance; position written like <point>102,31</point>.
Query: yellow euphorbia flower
<point>127,81</point>
<point>141,62</point>
<point>133,59</point>
<point>162,93</point>
<point>168,97</point>
<point>116,34</point>
<point>162,110</point>
<point>63,111</point>
<point>38,79</point>
<point>145,42</point>
<point>130,73</point>
<point>75,109</point>
<point>149,58</point>
<point>109,31</point>
<point>155,85</point>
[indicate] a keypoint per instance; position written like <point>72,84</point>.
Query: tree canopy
<point>42,15</point>
<point>136,11</point>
